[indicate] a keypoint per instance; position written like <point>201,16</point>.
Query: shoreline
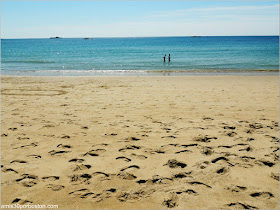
<point>134,76</point>
<point>87,73</point>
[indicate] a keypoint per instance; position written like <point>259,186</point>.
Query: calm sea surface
<point>109,56</point>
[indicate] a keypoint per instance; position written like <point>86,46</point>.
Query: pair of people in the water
<point>168,58</point>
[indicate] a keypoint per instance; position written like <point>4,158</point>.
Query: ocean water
<point>138,56</point>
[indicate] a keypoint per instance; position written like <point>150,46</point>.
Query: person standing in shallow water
<point>169,58</point>
<point>164,58</point>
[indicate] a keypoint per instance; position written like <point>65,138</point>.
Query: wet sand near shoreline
<point>190,142</point>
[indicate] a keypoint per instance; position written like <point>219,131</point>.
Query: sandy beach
<point>190,142</point>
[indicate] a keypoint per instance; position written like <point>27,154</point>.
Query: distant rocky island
<point>55,37</point>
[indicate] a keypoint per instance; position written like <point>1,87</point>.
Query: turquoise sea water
<point>103,56</point>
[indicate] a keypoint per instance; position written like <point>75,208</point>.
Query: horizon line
<point>133,36</point>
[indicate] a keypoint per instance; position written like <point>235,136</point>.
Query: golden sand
<point>140,142</point>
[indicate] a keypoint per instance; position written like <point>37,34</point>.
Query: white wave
<point>92,71</point>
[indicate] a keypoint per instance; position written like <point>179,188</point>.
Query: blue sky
<point>43,19</point>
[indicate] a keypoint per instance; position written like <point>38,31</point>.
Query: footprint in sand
<point>181,175</point>
<point>35,156</point>
<point>5,170</point>
<point>167,129</point>
<point>156,179</point>
<point>128,176</point>
<point>183,151</point>
<point>155,151</point>
<point>110,134</point>
<point>230,134</point>
<point>175,164</point>
<point>103,175</point>
<point>129,147</point>
<point>207,150</point>
<point>112,190</point>
<point>18,161</point>
<point>141,157</point>
<point>65,137</point>
<point>273,138</point>
<point>199,183</point>
<point>142,181</point>
<point>224,159</point>
<point>246,158</point>
<point>80,167</point>
<point>82,193</point>
<point>28,180</point>
<point>171,202</point>
<point>134,195</point>
<point>275,176</point>
<point>34,144</point>
<point>238,205</point>
<point>96,197</point>
<point>247,149</point>
<point>58,152</point>
<point>170,145</point>
<point>225,146</point>
<point>95,152</point>
<point>50,178</point>
<point>103,144</point>
<point>249,131</point>
<point>21,201</point>
<point>255,125</point>
<point>202,164</point>
<point>188,191</point>
<point>222,170</point>
<point>54,187</point>
<point>189,145</point>
<point>236,188</point>
<point>132,166</point>
<point>205,138</point>
<point>64,146</point>
<point>229,127</point>
<point>265,163</point>
<point>78,160</point>
<point>80,178</point>
<point>123,158</point>
<point>131,139</point>
<point>23,138</point>
<point>207,118</point>
<point>262,195</point>
<point>171,137</point>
